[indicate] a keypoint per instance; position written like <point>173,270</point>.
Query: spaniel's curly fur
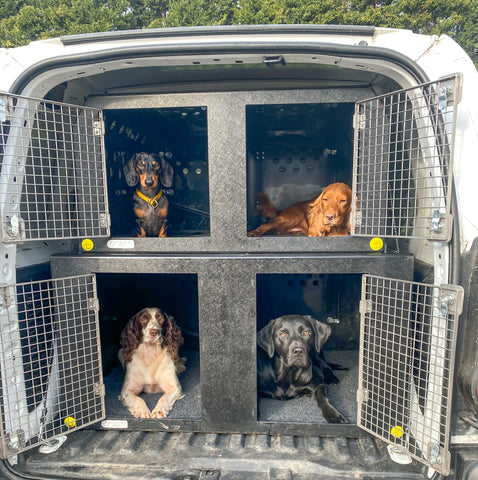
<point>150,353</point>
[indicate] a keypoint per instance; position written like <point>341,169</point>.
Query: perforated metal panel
<point>52,182</point>
<point>408,341</point>
<point>50,361</point>
<point>403,154</point>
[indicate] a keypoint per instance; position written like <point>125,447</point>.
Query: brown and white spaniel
<point>149,352</point>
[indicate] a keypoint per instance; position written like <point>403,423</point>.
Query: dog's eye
<point>306,333</point>
<point>325,199</point>
<point>283,334</point>
<point>343,201</point>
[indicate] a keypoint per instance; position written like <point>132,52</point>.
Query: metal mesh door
<point>52,182</point>
<point>403,153</point>
<point>406,370</point>
<point>50,361</point>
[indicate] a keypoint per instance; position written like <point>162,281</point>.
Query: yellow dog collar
<point>152,201</point>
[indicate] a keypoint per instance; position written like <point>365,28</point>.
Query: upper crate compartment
<point>66,169</point>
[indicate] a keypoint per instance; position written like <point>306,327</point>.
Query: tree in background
<point>26,20</point>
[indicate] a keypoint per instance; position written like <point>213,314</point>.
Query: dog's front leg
<point>162,231</point>
<point>330,413</point>
<point>135,404</point>
<point>172,392</point>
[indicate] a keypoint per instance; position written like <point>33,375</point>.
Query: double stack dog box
<point>62,183</point>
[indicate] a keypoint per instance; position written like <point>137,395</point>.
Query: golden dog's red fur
<point>290,221</point>
<point>327,215</point>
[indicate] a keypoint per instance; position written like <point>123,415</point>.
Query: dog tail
<point>265,208</point>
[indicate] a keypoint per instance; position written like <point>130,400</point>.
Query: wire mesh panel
<point>407,339</point>
<point>50,361</point>
<point>52,182</point>
<point>403,152</point>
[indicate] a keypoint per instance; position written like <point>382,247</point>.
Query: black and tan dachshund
<point>291,362</point>
<point>150,172</point>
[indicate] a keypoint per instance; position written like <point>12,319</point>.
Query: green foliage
<point>26,20</point>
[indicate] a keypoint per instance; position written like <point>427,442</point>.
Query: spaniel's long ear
<point>321,330</point>
<point>131,337</point>
<point>130,174</point>
<point>167,171</point>
<point>316,205</point>
<point>264,338</point>
<point>171,335</point>
<point>314,218</point>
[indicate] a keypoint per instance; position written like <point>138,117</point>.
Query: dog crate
<point>181,133</point>
<point>120,296</point>
<point>395,152</point>
<point>295,150</point>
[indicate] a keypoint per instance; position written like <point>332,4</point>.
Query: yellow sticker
<point>376,243</point>
<point>397,431</point>
<point>69,422</point>
<point>87,245</point>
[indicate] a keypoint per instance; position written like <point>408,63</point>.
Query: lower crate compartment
<point>123,295</point>
<point>220,303</point>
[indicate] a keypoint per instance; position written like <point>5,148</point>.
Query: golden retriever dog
<point>329,214</point>
<point>325,216</point>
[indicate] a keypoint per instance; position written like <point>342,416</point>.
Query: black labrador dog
<point>291,362</point>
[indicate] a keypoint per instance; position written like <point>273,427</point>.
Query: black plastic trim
<point>219,30</point>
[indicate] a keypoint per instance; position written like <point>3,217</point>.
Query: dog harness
<point>152,201</point>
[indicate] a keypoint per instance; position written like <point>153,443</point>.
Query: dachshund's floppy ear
<point>264,338</point>
<point>130,174</point>
<point>322,332</point>
<point>167,171</point>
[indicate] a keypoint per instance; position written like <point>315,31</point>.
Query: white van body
<point>233,77</point>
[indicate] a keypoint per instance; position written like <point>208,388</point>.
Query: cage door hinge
<point>98,128</point>
<point>360,121</point>
<point>441,226</point>
<point>16,228</point>
<point>94,304</point>
<point>362,395</point>
<point>356,218</point>
<point>105,220</point>
<point>365,307</point>
<point>99,389</point>
<point>451,300</point>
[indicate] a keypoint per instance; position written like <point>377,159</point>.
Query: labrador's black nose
<point>298,351</point>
